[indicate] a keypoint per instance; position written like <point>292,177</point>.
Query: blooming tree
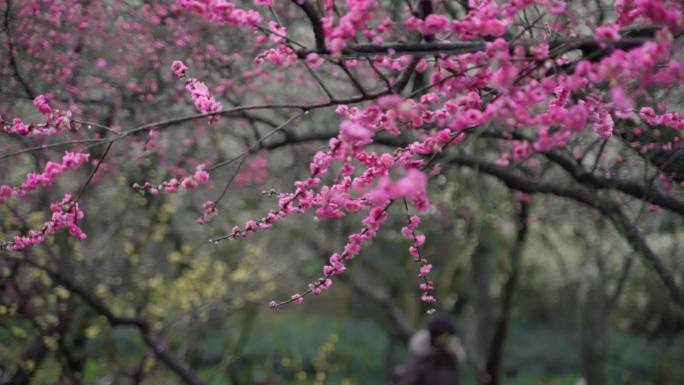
<point>579,102</point>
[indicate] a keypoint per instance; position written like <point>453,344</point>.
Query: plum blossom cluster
<point>281,56</point>
<point>56,121</point>
<point>608,33</point>
<point>413,185</point>
<point>485,18</point>
<point>481,21</point>
<point>173,185</point>
<point>65,214</point>
<point>377,201</point>
<point>52,171</point>
<point>566,114</point>
<point>668,119</point>
<point>204,101</point>
<point>288,203</point>
<point>224,12</point>
<point>668,12</point>
<point>277,35</point>
<point>373,190</point>
<point>418,240</point>
<point>359,13</point>
<point>350,194</point>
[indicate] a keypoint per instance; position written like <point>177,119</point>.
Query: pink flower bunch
<point>204,101</point>
<point>637,64</point>
<point>477,24</point>
<point>52,171</point>
<point>433,24</point>
<point>336,200</point>
<point>667,12</point>
<point>540,51</point>
<point>669,119</point>
<point>292,203</point>
<point>649,63</point>
<point>288,204</point>
<point>355,134</point>
<point>65,214</point>
<point>173,185</point>
<point>41,104</point>
<point>279,32</point>
<point>224,12</point>
<point>418,240</point>
<point>604,126</point>
<point>482,20</point>
<point>359,13</point>
<point>56,121</point>
<point>314,60</point>
<point>413,185</point>
<point>318,287</point>
<point>608,33</point>
<point>521,150</point>
<point>179,68</point>
<point>281,56</point>
<point>337,262</point>
<point>567,121</point>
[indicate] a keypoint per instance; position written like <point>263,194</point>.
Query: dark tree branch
<point>316,24</point>
<point>631,188</point>
<point>607,207</point>
<point>495,356</point>
<point>588,45</point>
<point>631,233</point>
<point>615,296</point>
<point>405,76</point>
<point>634,189</point>
<point>12,56</point>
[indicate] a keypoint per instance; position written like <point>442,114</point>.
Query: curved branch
<point>12,57</point>
<point>316,24</point>
<point>634,189</point>
<point>495,356</point>
<point>588,45</point>
<point>580,174</point>
<point>609,208</point>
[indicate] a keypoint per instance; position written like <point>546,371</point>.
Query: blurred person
<point>436,354</point>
